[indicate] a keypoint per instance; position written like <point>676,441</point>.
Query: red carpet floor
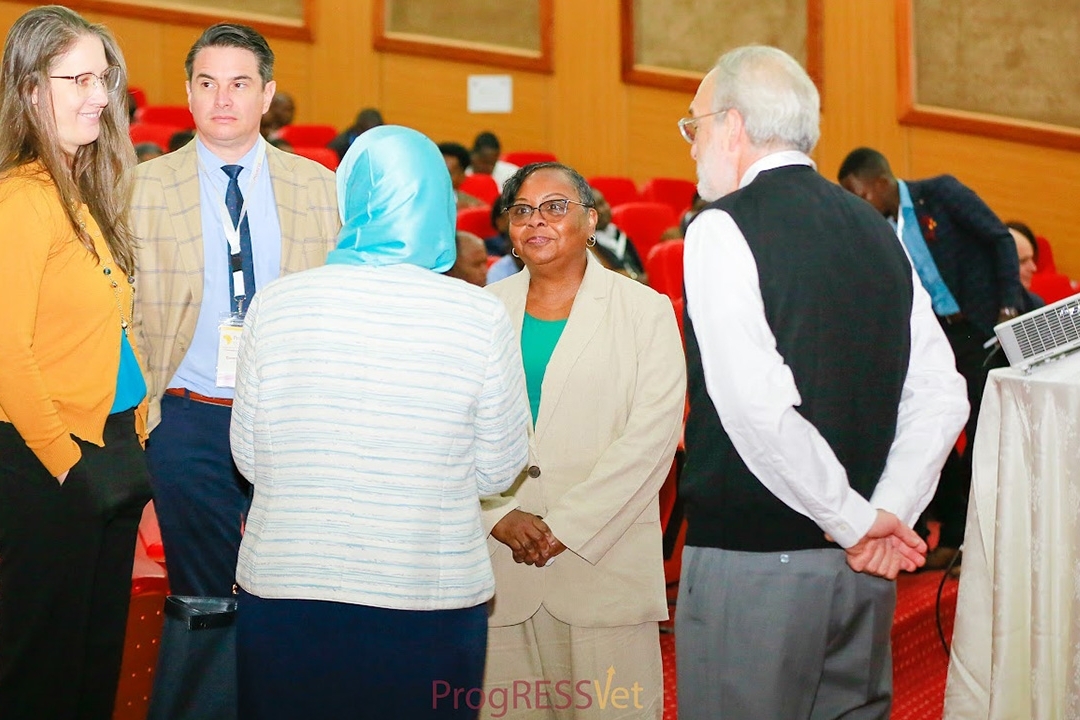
<point>919,660</point>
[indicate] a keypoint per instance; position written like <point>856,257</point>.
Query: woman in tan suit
<point>576,542</point>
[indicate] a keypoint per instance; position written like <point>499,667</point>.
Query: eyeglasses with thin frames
<point>688,125</point>
<point>551,210</point>
<point>85,82</point>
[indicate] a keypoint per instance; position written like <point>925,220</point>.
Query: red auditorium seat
<point>679,305</point>
<point>150,535</point>
<point>149,587</point>
<point>476,220</point>
<point>308,135</point>
<point>664,266</point>
<point>324,156</point>
<point>1045,263</point>
<point>177,115</point>
<point>151,132</point>
<point>1047,282</point>
<point>675,192</point>
<point>644,222</point>
<point>481,187</point>
<point>1052,286</point>
<point>139,94</point>
<point>616,190</point>
<point>521,158</point>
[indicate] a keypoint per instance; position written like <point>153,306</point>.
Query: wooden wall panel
<point>656,147</point>
<point>587,116</point>
<point>1037,185</point>
<point>431,96</point>
<point>345,71</point>
<point>859,70</point>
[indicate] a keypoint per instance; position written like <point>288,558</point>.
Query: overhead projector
<point>1042,334</point>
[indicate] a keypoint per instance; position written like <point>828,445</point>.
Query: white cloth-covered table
<point>1016,644</point>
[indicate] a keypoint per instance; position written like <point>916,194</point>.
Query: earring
<point>591,242</point>
<point>513,251</point>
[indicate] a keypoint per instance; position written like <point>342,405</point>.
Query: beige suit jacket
<point>611,411</point>
<point>167,221</point>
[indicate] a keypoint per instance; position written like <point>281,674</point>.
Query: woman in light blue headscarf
<point>376,400</point>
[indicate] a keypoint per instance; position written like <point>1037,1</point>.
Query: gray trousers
<point>771,636</point>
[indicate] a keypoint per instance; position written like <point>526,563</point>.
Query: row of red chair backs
<point>174,115</point>
<point>482,187</point>
<point>676,193</point>
<point>644,222</point>
<point>476,220</point>
<point>161,134</point>
<point>312,136</point>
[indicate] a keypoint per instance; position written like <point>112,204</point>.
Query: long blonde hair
<point>97,174</point>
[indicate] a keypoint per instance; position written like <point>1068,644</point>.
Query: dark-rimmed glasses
<point>85,82</point>
<point>550,210</point>
<point>688,125</point>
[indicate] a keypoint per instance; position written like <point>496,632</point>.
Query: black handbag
<point>195,677</point>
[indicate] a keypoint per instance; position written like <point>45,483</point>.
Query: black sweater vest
<point>837,291</point>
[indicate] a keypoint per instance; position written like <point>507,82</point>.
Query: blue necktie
<point>234,200</point>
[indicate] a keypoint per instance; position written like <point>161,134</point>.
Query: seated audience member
<point>613,248</point>
<point>147,151</point>
<point>471,262</point>
<point>1027,252</point>
<point>180,139</point>
<point>456,157</point>
<point>504,267</point>
<point>365,120</point>
<point>485,159</point>
<point>281,113</point>
<point>499,243</point>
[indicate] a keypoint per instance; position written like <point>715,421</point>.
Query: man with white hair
<point>823,402</point>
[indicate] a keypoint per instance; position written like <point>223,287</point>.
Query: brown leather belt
<point>951,319</point>
<point>185,393</point>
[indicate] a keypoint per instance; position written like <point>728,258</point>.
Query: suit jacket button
<point>534,471</point>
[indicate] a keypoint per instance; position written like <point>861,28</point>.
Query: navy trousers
<point>65,574</point>
<point>200,497</point>
<point>337,661</point>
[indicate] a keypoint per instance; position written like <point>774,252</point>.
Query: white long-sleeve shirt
<point>755,395</point>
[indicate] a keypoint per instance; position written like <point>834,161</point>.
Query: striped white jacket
<point>374,405</point>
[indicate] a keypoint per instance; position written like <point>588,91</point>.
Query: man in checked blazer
<point>965,260</point>
<point>195,262</point>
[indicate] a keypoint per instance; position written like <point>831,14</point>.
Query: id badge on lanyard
<point>230,330</point>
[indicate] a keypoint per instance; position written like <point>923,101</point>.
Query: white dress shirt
<point>755,394</point>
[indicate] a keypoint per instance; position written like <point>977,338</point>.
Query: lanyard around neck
<point>232,232</point>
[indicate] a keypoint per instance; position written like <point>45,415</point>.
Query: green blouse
<point>538,341</point>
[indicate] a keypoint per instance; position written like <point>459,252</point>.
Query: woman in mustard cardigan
<point>73,482</point>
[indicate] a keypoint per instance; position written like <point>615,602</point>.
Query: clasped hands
<point>888,547</point>
<point>528,537</point>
